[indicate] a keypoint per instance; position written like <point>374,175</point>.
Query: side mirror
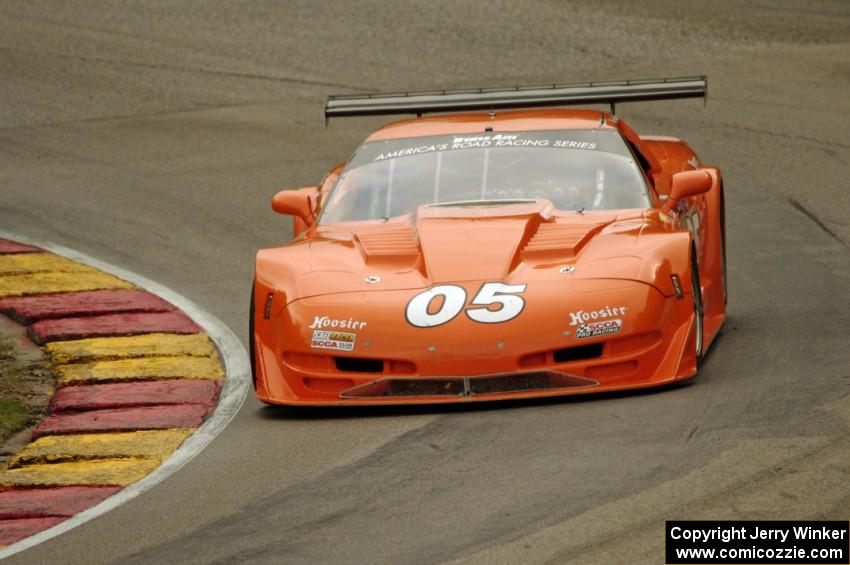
<point>686,184</point>
<point>298,203</point>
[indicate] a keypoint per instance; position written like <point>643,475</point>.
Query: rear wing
<point>517,97</point>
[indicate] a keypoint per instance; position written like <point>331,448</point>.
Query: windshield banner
<point>586,140</point>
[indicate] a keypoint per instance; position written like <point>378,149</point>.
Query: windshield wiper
<point>483,202</point>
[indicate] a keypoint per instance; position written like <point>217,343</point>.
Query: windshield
<point>574,169</point>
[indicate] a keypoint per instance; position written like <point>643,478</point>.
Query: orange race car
<point>494,254</point>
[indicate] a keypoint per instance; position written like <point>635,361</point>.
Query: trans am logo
<point>595,329</point>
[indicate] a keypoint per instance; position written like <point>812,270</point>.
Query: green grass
<point>10,370</point>
<point>15,413</point>
<point>13,417</point>
<point>6,348</point>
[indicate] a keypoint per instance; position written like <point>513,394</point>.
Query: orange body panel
<point>341,314</point>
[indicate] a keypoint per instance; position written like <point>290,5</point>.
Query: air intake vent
<point>578,353</point>
<point>461,387</point>
<point>395,242</point>
<point>564,238</point>
<point>357,365</point>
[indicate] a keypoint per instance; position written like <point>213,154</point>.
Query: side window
<point>645,167</point>
<point>644,164</point>
<point>326,186</point>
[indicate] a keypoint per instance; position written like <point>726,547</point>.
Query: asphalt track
<point>153,135</point>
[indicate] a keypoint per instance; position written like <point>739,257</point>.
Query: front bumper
<point>389,363</point>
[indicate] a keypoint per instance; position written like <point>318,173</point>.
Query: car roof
<point>500,121</point>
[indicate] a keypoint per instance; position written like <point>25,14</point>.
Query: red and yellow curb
<point>136,377</point>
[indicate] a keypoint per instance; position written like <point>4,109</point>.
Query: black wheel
<point>251,340</point>
<point>723,247</point>
<point>698,311</point>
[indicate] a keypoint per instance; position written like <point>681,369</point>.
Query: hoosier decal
<point>582,317</point>
<point>339,341</point>
<point>320,322</point>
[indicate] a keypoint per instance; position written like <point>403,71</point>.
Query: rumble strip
<point>137,378</point>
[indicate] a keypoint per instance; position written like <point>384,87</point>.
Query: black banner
<point>767,542</point>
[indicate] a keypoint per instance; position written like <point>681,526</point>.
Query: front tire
<point>723,247</point>
<point>699,314</point>
<point>251,346</point>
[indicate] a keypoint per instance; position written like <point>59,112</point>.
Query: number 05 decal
<point>452,299</point>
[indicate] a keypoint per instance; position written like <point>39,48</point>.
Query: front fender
<point>657,255</point>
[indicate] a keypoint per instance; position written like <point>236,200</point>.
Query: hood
<point>452,249</point>
<point>512,244</point>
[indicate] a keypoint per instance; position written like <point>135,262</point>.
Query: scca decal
<point>595,329</point>
<point>454,299</point>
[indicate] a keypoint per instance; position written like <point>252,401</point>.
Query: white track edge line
<point>231,395</point>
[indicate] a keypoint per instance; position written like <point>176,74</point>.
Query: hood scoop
<point>562,239</point>
<point>389,244</point>
<point>457,249</point>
